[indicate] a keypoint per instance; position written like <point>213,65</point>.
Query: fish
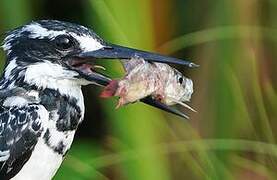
<point>143,78</point>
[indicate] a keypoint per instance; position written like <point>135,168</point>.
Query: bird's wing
<point>20,128</point>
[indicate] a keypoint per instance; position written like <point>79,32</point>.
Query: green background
<point>233,133</point>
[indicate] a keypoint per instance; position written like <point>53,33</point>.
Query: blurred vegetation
<point>233,134</point>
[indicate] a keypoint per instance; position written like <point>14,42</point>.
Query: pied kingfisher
<point>41,102</point>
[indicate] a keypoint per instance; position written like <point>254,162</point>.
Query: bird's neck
<point>65,107</point>
<point>16,82</point>
<point>10,87</point>
<point>44,83</point>
<point>40,76</point>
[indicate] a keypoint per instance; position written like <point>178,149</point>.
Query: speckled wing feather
<point>20,128</point>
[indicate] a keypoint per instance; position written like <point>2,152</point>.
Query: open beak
<point>119,52</point>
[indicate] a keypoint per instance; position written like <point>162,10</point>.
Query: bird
<point>41,101</point>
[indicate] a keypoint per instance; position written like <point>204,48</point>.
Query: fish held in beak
<point>157,84</point>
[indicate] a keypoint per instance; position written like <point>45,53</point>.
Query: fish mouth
<point>83,63</point>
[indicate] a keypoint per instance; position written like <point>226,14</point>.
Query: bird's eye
<point>64,42</point>
<point>180,80</point>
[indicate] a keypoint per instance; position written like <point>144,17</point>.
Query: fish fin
<point>129,65</point>
<point>110,89</point>
<point>118,105</point>
<point>121,102</point>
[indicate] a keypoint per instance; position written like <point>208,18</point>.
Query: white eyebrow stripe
<point>37,31</point>
<point>87,43</point>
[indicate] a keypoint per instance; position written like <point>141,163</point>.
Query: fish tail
<point>110,89</point>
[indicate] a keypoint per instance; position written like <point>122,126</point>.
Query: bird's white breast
<point>43,163</point>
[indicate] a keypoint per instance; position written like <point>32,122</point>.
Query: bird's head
<point>50,50</point>
<point>52,54</point>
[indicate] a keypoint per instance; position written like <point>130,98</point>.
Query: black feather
<point>20,128</point>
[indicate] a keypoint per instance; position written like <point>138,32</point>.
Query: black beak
<point>152,102</point>
<point>98,78</point>
<point>119,52</point>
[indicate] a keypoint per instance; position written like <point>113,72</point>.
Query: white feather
<point>57,136</point>
<point>12,65</point>
<point>15,101</point>
<point>43,162</point>
<point>7,45</point>
<point>37,31</point>
<point>87,43</point>
<point>4,155</point>
<point>54,76</point>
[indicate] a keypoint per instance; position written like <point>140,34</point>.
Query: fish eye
<point>180,80</point>
<point>64,42</point>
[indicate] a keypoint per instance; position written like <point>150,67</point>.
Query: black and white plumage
<point>41,98</point>
<point>41,102</point>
